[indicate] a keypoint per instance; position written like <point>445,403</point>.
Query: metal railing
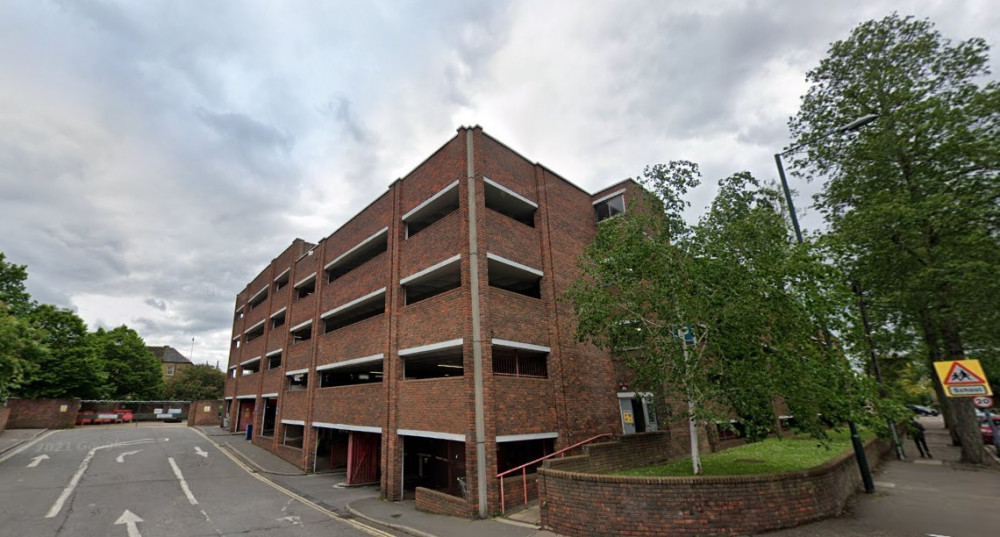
<point>524,469</point>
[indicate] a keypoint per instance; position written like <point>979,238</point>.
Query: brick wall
<point>4,414</point>
<point>42,413</point>
<point>205,412</point>
<point>440,503</point>
<point>578,503</point>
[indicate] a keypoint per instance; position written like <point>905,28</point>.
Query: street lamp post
<point>859,448</point>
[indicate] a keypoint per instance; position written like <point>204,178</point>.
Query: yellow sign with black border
<point>963,378</point>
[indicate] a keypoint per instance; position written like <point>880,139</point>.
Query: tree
<point>20,350</point>
<point>12,290</point>
<point>133,371</point>
<point>725,315</point>
<point>197,382</point>
<point>912,200</point>
<point>70,367</point>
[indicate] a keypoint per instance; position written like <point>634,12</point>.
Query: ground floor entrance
<point>356,453</point>
<point>433,463</point>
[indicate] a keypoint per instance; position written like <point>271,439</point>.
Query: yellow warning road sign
<point>963,378</point>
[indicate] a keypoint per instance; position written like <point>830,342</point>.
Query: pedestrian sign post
<point>963,378</point>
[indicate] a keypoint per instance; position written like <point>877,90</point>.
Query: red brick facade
<point>578,497</point>
<point>575,399</point>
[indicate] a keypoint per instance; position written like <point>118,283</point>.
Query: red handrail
<point>524,469</point>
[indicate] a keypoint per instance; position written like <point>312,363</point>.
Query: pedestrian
<point>917,432</point>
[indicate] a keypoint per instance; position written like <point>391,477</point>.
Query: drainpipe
<point>477,339</point>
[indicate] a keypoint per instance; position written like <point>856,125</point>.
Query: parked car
<point>984,428</point>
<point>923,410</point>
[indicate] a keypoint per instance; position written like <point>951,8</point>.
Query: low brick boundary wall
<point>205,412</point>
<point>440,503</point>
<point>582,504</point>
<point>42,413</point>
<point>4,414</point>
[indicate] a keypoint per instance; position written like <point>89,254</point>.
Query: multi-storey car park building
<point>426,343</point>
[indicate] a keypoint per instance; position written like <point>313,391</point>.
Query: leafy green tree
<point>71,367</point>
<point>912,199</point>
<point>12,290</point>
<point>197,382</point>
<point>726,315</point>
<point>133,371</point>
<point>20,349</point>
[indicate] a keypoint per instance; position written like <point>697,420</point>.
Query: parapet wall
<point>576,499</point>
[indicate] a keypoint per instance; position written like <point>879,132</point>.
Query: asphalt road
<point>147,482</point>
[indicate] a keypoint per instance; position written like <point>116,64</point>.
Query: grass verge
<point>769,456</point>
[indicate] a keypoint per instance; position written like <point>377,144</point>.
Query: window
<point>293,435</point>
<point>350,372</point>
<point>255,331</point>
<point>274,359</point>
<point>278,318</point>
<point>236,342</point>
<point>305,287</point>
<point>438,360</point>
<point>433,209</point>
<point>170,370</point>
<point>282,280</point>
<point>513,276</point>
<point>360,254</point>
<point>302,332</point>
<point>232,372</point>
<point>440,278</point>
<point>515,453</point>
<point>257,299</point>
<point>366,307</point>
<point>239,313</point>
<point>250,366</point>
<point>609,206</point>
<point>298,380</point>
<point>509,203</point>
<point>519,362</point>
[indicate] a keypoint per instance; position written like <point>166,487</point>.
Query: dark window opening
<point>434,464</point>
<point>350,375</point>
<point>250,368</point>
<point>236,343</point>
<point>512,278</point>
<point>519,362</point>
<point>274,361</point>
<point>232,372</point>
<point>239,313</point>
<point>255,333</point>
<point>270,412</point>
<point>302,334</point>
<point>278,320</point>
<point>609,207</point>
<point>358,312</point>
<point>281,281</point>
<point>502,201</point>
<point>299,381</point>
<point>513,454</point>
<point>436,208</point>
<point>436,364</point>
<point>305,289</point>
<point>257,300</point>
<point>293,435</point>
<point>436,282</point>
<point>361,254</point>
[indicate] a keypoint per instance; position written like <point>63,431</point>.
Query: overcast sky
<point>155,156</point>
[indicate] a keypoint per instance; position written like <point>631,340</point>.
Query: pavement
<point>914,497</point>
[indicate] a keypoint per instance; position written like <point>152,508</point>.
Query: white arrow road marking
<point>36,461</point>
<point>121,457</point>
<point>201,452</point>
<point>296,521</point>
<point>75,480</point>
<point>180,478</point>
<point>129,519</point>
